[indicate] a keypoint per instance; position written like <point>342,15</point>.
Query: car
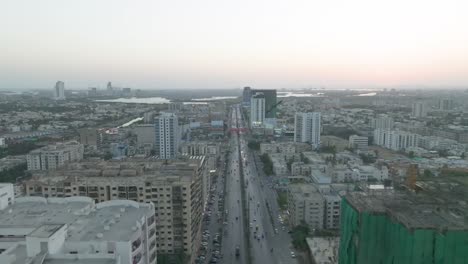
<point>293,255</point>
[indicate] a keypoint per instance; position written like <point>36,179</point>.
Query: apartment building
<point>358,142</point>
<point>306,204</point>
<point>52,157</point>
<point>167,135</point>
<point>395,139</point>
<point>37,230</point>
<point>7,195</point>
<point>175,188</point>
<point>307,128</point>
<point>200,148</point>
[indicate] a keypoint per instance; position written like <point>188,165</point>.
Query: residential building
<point>300,169</point>
<point>307,127</point>
<point>59,90</point>
<point>323,250</point>
<point>395,139</point>
<point>445,104</point>
<point>7,195</point>
<point>280,167</point>
<point>358,142</point>
<point>419,109</point>
<point>167,135</point>
<point>52,157</point>
<point>90,137</point>
<point>332,210</point>
<point>145,135</point>
<point>75,230</point>
<point>174,186</point>
<point>382,122</point>
<point>306,204</point>
<point>257,109</point>
<point>200,148</point>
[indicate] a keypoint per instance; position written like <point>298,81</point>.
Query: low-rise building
<point>358,142</point>
<point>324,250</point>
<point>52,157</point>
<point>75,230</point>
<point>306,204</point>
<point>280,167</point>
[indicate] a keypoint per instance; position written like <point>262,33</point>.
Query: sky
<point>193,44</point>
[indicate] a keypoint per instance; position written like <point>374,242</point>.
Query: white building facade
<point>114,232</point>
<point>257,110</point>
<point>167,135</point>
<point>54,156</point>
<point>307,127</point>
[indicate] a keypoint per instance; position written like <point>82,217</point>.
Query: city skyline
<point>217,44</point>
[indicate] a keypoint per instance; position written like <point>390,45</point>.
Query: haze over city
<point>227,44</point>
<point>234,132</point>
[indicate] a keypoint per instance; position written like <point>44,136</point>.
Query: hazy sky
<point>228,44</point>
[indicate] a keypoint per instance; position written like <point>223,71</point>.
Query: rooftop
<point>414,210</point>
<point>324,250</point>
<point>40,217</point>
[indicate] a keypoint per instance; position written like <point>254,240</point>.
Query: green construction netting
<point>376,239</point>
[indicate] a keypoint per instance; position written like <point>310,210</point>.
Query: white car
<point>293,255</point>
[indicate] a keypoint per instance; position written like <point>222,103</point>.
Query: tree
<point>108,156</point>
<point>428,173</point>
<point>267,164</point>
<point>14,173</point>
<point>462,156</point>
<point>411,154</point>
<point>299,235</point>
<point>254,145</point>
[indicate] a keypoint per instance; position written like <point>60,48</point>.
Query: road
<point>268,237</point>
<point>234,229</point>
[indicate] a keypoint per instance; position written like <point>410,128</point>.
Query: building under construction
<point>429,226</point>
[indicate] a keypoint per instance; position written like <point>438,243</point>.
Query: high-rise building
<point>418,109</point>
<point>246,94</point>
<point>270,101</point>
<point>174,186</point>
<point>54,156</point>
<point>307,127</point>
<point>167,135</point>
<point>59,90</point>
<point>76,230</point>
<point>257,109</point>
<point>382,122</point>
<point>445,104</point>
<point>109,86</point>
<point>405,227</point>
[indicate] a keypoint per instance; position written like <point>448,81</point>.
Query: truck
<point>237,251</point>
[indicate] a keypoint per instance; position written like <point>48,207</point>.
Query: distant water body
<point>134,100</point>
<point>213,98</point>
<point>162,100</point>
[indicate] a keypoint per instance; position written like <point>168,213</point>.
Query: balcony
<point>153,257</point>
<point>151,234</point>
<point>136,244</point>
<point>137,259</point>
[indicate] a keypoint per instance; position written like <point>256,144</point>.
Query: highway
<point>269,240</point>
<point>233,229</point>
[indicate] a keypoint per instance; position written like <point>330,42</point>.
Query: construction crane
<point>274,106</point>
